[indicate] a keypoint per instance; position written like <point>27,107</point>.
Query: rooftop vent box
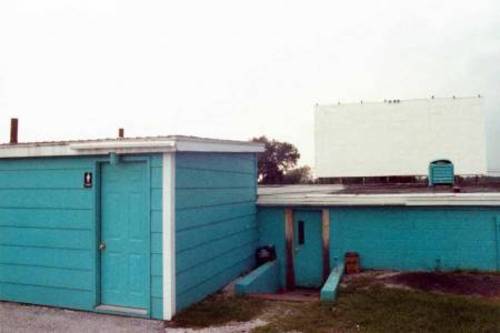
<point>441,173</point>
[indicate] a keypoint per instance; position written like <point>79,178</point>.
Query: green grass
<point>361,307</point>
<point>379,309</point>
<point>218,310</point>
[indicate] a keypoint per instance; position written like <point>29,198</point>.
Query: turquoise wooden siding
<point>271,230</point>
<point>156,237</point>
<point>401,238</point>
<point>215,221</point>
<point>48,232</point>
<point>408,238</point>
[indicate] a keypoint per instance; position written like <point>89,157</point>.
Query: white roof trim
<point>400,199</point>
<point>121,145</point>
<point>126,147</point>
<point>168,236</point>
<point>243,147</point>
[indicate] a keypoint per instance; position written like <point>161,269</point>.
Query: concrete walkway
<point>29,318</point>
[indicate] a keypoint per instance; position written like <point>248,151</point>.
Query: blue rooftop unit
<point>441,172</point>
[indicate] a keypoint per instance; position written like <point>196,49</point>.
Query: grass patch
<point>218,310</point>
<point>379,309</point>
<point>364,305</point>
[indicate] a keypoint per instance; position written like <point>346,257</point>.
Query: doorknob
<point>102,246</point>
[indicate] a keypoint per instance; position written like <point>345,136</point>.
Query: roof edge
<point>399,101</point>
<point>399,199</point>
<point>126,146</point>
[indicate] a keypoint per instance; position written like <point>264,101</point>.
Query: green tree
<point>277,159</point>
<point>301,175</point>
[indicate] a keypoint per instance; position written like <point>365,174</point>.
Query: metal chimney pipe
<point>121,133</point>
<point>13,130</point>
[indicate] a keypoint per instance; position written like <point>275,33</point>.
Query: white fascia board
<point>137,147</point>
<point>168,236</point>
<point>102,148</point>
<point>440,199</point>
<point>111,145</point>
<point>125,147</point>
<point>196,146</point>
<point>37,151</point>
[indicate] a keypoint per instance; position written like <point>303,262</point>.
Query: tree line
<point>278,164</point>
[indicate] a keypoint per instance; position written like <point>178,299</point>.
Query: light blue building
<point>312,228</point>
<point>149,226</point>
<point>142,226</point>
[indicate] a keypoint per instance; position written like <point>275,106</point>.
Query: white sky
<point>233,69</point>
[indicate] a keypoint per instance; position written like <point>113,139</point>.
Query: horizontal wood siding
<point>156,236</point>
<point>401,238</point>
<point>271,226</point>
<point>47,232</point>
<point>417,238</point>
<point>215,221</point>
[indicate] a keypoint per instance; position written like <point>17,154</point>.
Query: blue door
<point>308,262</point>
<point>124,231</point>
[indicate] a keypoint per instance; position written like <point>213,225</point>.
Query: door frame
<point>146,159</point>
<point>289,228</point>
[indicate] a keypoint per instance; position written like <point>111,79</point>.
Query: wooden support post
<point>325,232</point>
<point>290,270</point>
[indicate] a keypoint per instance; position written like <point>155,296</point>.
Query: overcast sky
<point>233,69</point>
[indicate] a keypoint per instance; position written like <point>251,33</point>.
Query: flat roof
<point>399,101</point>
<point>130,145</point>
<point>378,195</point>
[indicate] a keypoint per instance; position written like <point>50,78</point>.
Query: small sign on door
<point>87,179</point>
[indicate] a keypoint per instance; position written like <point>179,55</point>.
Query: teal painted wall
<point>216,231</point>
<point>402,238</point>
<point>156,166</point>
<point>417,238</point>
<point>48,232</point>
<point>271,230</point>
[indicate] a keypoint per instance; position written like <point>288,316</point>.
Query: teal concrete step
<point>329,290</point>
<point>264,279</point>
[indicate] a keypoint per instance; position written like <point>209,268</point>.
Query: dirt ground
<point>486,285</point>
<point>365,300</point>
<point>233,327</point>
<point>24,318</point>
<point>20,318</point>
<point>458,283</point>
